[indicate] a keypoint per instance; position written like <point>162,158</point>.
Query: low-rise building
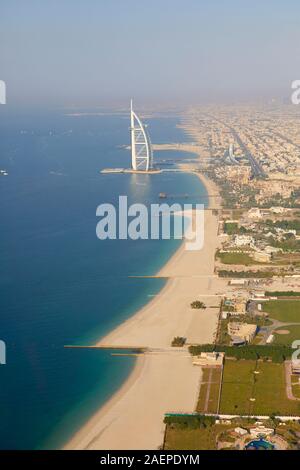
<point>258,294</point>
<point>241,332</point>
<point>296,366</point>
<point>236,305</point>
<point>261,431</point>
<point>238,282</point>
<point>278,210</point>
<point>270,339</point>
<point>240,431</point>
<point>240,306</point>
<point>242,240</point>
<point>209,359</point>
<point>254,213</point>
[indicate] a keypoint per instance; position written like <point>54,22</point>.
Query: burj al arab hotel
<point>141,148</point>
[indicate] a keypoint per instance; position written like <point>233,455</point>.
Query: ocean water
<point>59,284</point>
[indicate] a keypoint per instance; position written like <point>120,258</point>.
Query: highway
<point>257,170</point>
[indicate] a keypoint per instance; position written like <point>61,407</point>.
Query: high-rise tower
<point>141,148</point>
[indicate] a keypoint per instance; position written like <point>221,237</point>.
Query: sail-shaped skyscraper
<point>141,148</point>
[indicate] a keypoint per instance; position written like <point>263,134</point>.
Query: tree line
<point>193,421</point>
<point>275,353</point>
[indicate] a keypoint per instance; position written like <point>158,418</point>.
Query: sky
<point>97,52</point>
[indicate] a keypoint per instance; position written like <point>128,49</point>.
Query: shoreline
<point>88,427</point>
<point>211,187</point>
<point>145,328</point>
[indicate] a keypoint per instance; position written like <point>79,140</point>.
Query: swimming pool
<point>259,444</point>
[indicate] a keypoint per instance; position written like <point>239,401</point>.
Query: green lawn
<point>270,392</point>
<point>237,386</point>
<point>289,338</point>
<point>192,439</point>
<point>283,310</point>
<point>203,390</point>
<point>236,258</point>
<point>267,387</point>
<point>282,293</point>
<point>213,392</point>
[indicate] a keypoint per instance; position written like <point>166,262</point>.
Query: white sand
<point>169,313</point>
<point>133,419</point>
<point>162,380</point>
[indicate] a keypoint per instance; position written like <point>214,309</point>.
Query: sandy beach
<point>163,378</point>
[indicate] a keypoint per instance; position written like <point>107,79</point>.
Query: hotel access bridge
<point>141,148</point>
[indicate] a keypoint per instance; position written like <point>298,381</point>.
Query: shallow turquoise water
<point>59,284</point>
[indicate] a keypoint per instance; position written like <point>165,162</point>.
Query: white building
<point>296,366</point>
<point>238,282</point>
<point>241,431</point>
<point>241,331</point>
<point>270,339</point>
<point>261,431</point>
<point>209,359</point>
<point>254,213</point>
<point>241,240</point>
<point>278,210</point>
<point>141,148</point>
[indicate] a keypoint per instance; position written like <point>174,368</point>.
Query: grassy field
<point>236,258</point>
<point>203,390</point>
<point>283,310</point>
<point>294,333</point>
<point>192,439</point>
<point>287,259</point>
<point>267,387</point>
<point>213,391</point>
<point>282,293</point>
<point>237,386</point>
<point>246,274</point>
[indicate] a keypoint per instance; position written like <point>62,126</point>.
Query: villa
<point>261,431</point>
<point>241,332</point>
<point>241,240</point>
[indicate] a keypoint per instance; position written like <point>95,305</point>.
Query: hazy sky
<point>85,52</point>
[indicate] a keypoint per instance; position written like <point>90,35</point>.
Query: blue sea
<point>59,284</point>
